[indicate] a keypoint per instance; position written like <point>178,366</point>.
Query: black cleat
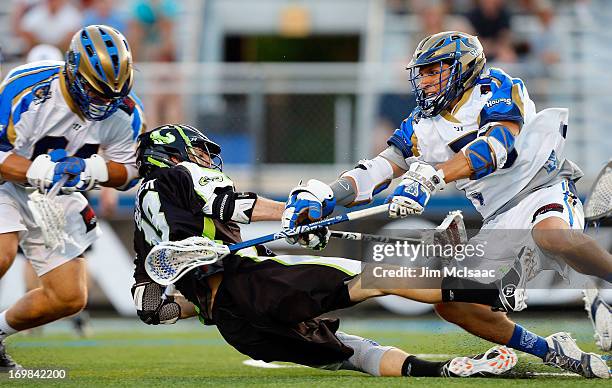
<point>6,362</point>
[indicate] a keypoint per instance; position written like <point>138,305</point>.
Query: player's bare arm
<point>267,210</point>
<point>15,168</point>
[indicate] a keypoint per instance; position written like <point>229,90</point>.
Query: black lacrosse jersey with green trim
<point>168,208</point>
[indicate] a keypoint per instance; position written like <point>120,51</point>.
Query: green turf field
<point>126,353</point>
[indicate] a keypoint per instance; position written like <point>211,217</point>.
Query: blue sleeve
<point>404,138</point>
<point>506,102</point>
<point>16,95</point>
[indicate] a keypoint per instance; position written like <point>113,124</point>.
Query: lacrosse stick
<point>49,215</point>
<point>451,231</point>
<point>372,237</point>
<point>168,261</point>
<point>598,204</point>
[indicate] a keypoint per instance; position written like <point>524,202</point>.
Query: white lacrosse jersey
<point>495,97</point>
<point>38,115</point>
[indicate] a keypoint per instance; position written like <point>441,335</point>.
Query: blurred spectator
<point>397,7</point>
<point>491,22</point>
<point>434,18</point>
<point>151,30</point>
<point>44,52</point>
<point>50,21</point>
<point>152,39</point>
<point>105,12</point>
<point>544,44</point>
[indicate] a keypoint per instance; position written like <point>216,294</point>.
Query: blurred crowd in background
<point>295,88</point>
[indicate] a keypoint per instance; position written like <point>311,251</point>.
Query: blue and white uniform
<point>536,180</point>
<point>37,115</point>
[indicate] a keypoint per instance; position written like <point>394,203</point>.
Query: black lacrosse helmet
<point>184,143</point>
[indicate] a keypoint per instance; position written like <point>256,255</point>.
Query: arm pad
<point>371,176</point>
<point>231,206</point>
<point>489,151</point>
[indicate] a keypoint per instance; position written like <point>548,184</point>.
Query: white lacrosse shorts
<point>506,235</point>
<point>15,216</point>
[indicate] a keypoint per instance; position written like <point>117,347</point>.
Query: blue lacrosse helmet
<point>99,71</point>
<point>463,54</point>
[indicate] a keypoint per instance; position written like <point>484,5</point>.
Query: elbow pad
<point>490,150</point>
<point>231,206</point>
<point>371,177</point>
<point>153,306</point>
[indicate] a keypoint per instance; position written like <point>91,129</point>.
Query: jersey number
<point>48,143</point>
<point>153,224</point>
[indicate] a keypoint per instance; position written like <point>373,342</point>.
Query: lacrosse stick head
<point>49,216</point>
<point>598,204</point>
<point>169,261</point>
<point>452,230</point>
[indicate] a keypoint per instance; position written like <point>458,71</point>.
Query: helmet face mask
<point>98,71</point>
<point>458,60</point>
<point>433,95</point>
<point>169,145</point>
<point>93,106</point>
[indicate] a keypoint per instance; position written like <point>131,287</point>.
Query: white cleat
<point>564,353</point>
<point>495,361</point>
<point>600,314</point>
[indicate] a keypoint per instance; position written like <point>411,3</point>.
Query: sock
<point>420,368</point>
<point>528,342</point>
<point>464,290</point>
<point>5,329</point>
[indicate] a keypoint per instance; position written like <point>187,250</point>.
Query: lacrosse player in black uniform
<point>264,308</point>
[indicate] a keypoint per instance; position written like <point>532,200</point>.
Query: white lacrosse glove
<point>40,173</point>
<point>306,204</point>
<point>415,189</point>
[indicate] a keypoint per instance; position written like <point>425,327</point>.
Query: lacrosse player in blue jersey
<point>479,128</point>
<point>54,119</point>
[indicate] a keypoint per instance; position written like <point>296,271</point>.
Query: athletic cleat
<point>6,362</point>
<point>565,354</point>
<point>600,314</point>
<point>495,361</point>
<point>512,295</point>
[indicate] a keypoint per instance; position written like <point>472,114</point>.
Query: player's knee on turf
<point>367,354</point>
